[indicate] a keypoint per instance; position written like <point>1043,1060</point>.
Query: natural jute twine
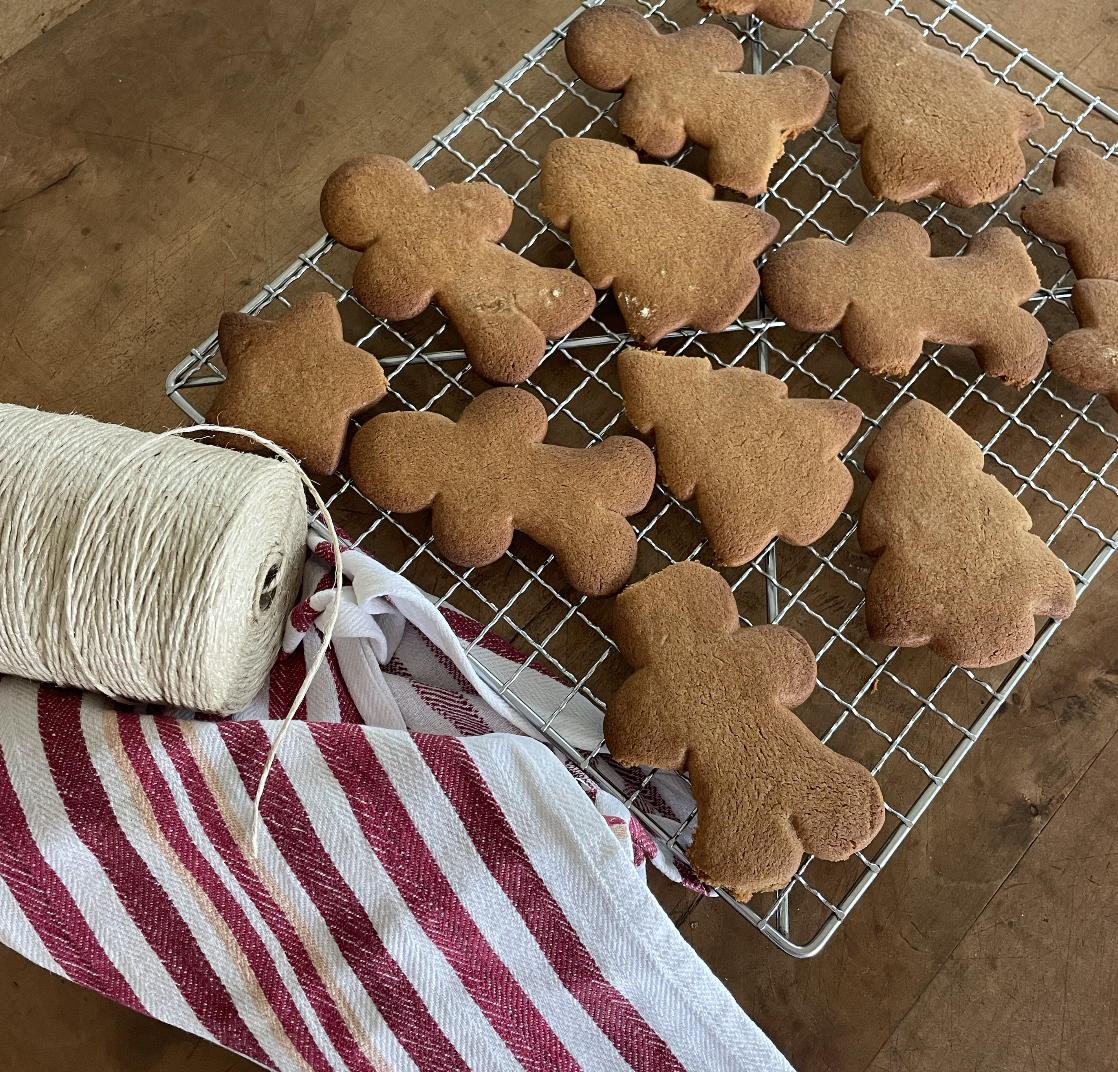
<point>149,567</point>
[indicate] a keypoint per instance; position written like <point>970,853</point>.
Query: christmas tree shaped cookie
<point>689,84</point>
<point>1081,212</point>
<point>421,245</point>
<point>758,463</point>
<point>1089,357</point>
<point>957,568</point>
<point>928,120</point>
<point>490,473</point>
<point>712,699</point>
<point>672,254</point>
<point>890,295</point>
<point>789,14</point>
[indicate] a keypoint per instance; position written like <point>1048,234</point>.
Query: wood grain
<point>167,156</point>
<point>1034,982</point>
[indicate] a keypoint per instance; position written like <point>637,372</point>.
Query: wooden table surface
<point>163,158</point>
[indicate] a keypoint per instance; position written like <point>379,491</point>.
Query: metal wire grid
<point>905,714</point>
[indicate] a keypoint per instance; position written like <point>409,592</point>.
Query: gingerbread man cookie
<point>758,463</point>
<point>957,568</point>
<point>1081,213</point>
<point>689,84</point>
<point>928,120</point>
<point>788,14</point>
<point>295,381</point>
<point>890,296</point>
<point>712,699</point>
<point>422,245</point>
<point>490,473</point>
<point>1089,357</point>
<point>672,254</point>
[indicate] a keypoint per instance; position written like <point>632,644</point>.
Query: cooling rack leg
<point>782,921</point>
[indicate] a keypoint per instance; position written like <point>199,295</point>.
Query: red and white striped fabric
<point>421,900</point>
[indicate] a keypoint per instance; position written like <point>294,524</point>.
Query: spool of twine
<point>147,567</point>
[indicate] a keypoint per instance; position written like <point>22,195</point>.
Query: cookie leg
<point>879,345</point>
<point>1014,351</point>
<point>501,342</point>
<point>837,807</point>
<point>747,850</point>
<point>468,536</point>
<point>596,550</point>
<point>556,300</point>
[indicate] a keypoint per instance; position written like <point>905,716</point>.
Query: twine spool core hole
<point>268,590</point>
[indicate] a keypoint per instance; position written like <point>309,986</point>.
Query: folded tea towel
<point>421,900</point>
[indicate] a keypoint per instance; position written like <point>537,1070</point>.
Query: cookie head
<point>1089,357</point>
<point>669,608</point>
<point>606,45</point>
<point>363,195</point>
<point>399,460</point>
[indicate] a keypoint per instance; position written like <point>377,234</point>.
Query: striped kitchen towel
<point>420,900</point>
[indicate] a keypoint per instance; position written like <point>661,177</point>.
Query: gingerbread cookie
<point>712,699</point>
<point>928,120</point>
<point>890,296</point>
<point>1081,213</point>
<point>295,381</point>
<point>789,14</point>
<point>689,84</point>
<point>957,568</point>
<point>672,254</point>
<point>491,473</point>
<point>1089,357</point>
<point>422,245</point>
<point>758,463</point>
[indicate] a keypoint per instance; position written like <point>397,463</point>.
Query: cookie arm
<point>1049,216</point>
<point>836,806</point>
<point>651,123</point>
<point>1055,594</point>
<point>483,211</point>
<point>639,727</point>
<point>390,283</point>
<point>466,532</point>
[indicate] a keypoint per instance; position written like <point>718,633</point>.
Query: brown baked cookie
<point>1089,357</point>
<point>957,568</point>
<point>672,254</point>
<point>890,295</point>
<point>491,473</point>
<point>790,14</point>
<point>422,245</point>
<point>758,463</point>
<point>712,699</point>
<point>294,381</point>
<point>689,84</point>
<point>928,120</point>
<point>1081,213</point>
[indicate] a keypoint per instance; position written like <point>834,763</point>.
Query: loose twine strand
<point>327,633</point>
<point>153,574</point>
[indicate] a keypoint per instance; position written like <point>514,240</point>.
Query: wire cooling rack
<point>905,714</point>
